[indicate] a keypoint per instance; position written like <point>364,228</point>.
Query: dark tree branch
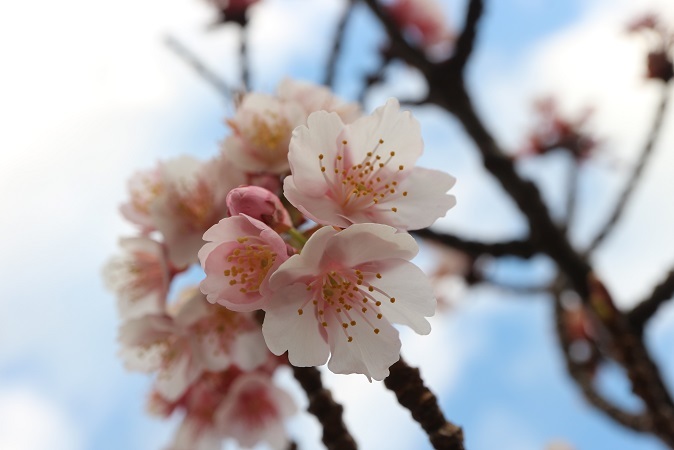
<point>519,248</point>
<point>411,393</point>
<point>399,45</point>
<point>328,412</point>
<point>199,67</point>
<point>583,379</point>
<point>244,60</point>
<point>647,308</point>
<point>636,175</point>
<point>466,40</point>
<point>337,44</point>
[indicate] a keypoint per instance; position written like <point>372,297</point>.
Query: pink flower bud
<point>260,204</point>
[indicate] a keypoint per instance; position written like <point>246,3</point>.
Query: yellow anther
<point>300,312</point>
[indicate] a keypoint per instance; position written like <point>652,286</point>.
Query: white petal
<point>426,200</point>
<point>413,293</point>
<point>368,353</point>
<point>361,243</point>
<point>249,350</point>
<point>305,265</point>
<point>315,204</point>
<point>320,136</point>
<point>173,381</point>
<point>285,329</point>
<point>400,132</point>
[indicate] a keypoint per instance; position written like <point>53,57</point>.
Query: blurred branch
<point>583,379</point>
<point>328,412</point>
<point>243,54</point>
<point>412,394</point>
<point>521,248</point>
<point>635,177</point>
<point>465,42</point>
<point>198,66</point>
<point>337,44</point>
<point>645,310</point>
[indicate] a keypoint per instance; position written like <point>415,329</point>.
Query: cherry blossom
<point>340,295</point>
<point>364,172</point>
<point>239,258</point>
<point>262,127</point>
<point>260,204</point>
<point>254,411</point>
<point>313,97</point>
<point>425,18</point>
<point>140,277</point>
<point>195,337</point>
<point>144,188</point>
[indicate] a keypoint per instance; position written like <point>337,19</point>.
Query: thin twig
<point>199,67</point>
<point>244,60</point>
<point>520,248</point>
<point>584,380</point>
<point>634,178</point>
<point>411,393</point>
<point>337,44</point>
<point>645,310</point>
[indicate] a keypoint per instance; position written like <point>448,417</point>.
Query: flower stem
<point>297,238</point>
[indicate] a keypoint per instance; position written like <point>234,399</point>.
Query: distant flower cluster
<point>302,216</point>
<point>660,40</point>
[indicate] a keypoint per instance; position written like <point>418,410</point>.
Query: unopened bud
<point>260,204</point>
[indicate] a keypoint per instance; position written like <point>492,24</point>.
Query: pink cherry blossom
<point>364,172</point>
<point>313,97</point>
<point>340,295</point>
<point>239,258</point>
<point>193,199</point>
<point>254,411</point>
<point>260,204</point>
<point>140,277</point>
<point>261,128</point>
<point>245,406</point>
<point>424,18</point>
<point>194,338</point>
<point>144,188</point>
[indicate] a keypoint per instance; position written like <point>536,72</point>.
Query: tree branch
<point>331,69</point>
<point>466,40</point>
<point>635,177</point>
<point>198,66</point>
<point>328,412</point>
<point>520,248</point>
<point>645,310</point>
<point>411,393</point>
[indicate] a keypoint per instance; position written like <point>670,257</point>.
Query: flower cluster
<point>659,65</point>
<point>304,215</point>
<point>555,132</point>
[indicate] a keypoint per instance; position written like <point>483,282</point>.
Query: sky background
<point>89,94</point>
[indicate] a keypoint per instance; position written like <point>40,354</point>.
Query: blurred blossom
<point>423,19</point>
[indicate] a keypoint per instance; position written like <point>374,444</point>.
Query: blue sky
<point>91,95</point>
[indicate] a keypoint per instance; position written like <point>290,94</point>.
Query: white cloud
<point>30,422</point>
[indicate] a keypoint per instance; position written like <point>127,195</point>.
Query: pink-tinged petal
<point>413,293</point>
<point>290,325</point>
<point>249,350</point>
<point>238,264</point>
<point>319,137</point>
<point>422,199</point>
<point>210,352</point>
<point>372,348</point>
<point>297,268</point>
<point>314,98</point>
<point>142,341</point>
<point>177,376</point>
<point>193,435</point>
<point>254,410</point>
<point>312,203</point>
<point>367,242</point>
<point>399,131</point>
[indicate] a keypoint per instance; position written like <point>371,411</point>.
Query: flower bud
<point>260,204</point>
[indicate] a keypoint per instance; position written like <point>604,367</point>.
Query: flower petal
<point>368,352</point>
<point>413,293</point>
<point>361,243</point>
<point>425,201</point>
<point>285,328</point>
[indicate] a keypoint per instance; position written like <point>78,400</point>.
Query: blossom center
<point>349,297</point>
<point>358,185</point>
<point>269,135</point>
<point>248,265</point>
